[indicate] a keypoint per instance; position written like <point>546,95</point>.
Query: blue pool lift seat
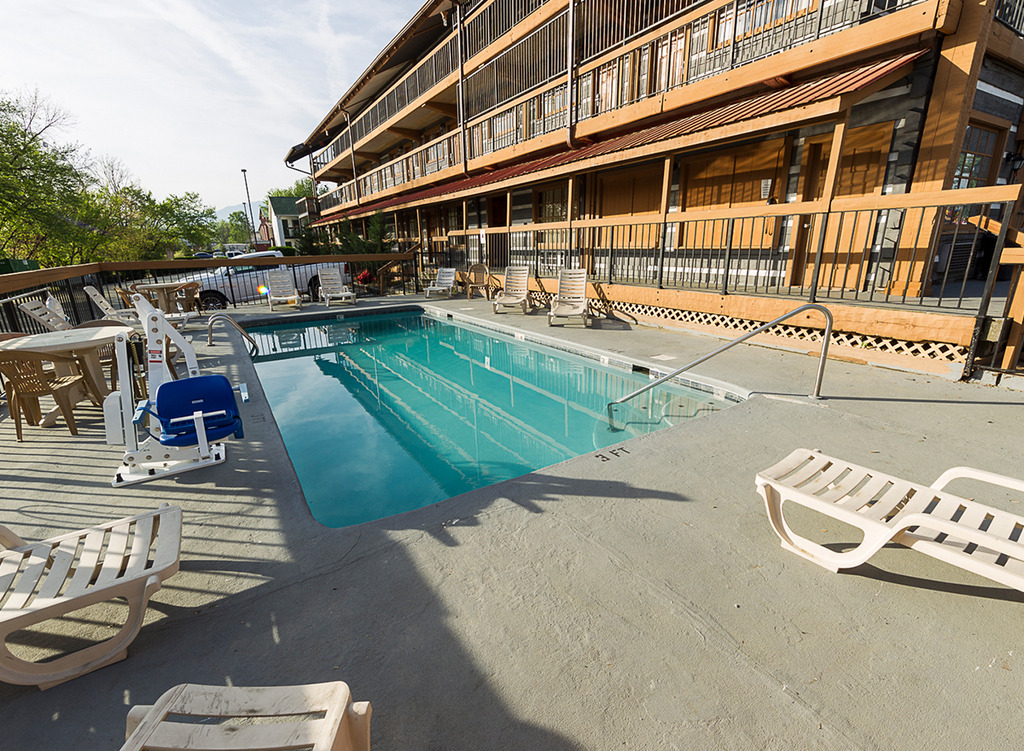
<point>196,411</point>
<point>193,414</point>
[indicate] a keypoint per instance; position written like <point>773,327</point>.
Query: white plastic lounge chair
<point>126,558</point>
<point>37,310</point>
<point>109,311</point>
<point>962,532</point>
<point>445,282</point>
<point>178,320</point>
<point>333,288</point>
<point>182,719</point>
<point>571,298</point>
<point>517,289</point>
<point>281,288</point>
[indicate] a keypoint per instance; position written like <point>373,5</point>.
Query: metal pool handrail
<point>821,362</point>
<point>225,317</point>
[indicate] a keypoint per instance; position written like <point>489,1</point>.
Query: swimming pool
<point>382,414</point>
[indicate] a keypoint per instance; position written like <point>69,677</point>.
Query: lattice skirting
<point>942,351</point>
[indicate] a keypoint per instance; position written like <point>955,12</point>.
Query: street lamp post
<point>248,202</point>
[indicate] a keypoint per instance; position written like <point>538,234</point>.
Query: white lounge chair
<point>445,282</point>
<point>281,288</point>
<point>126,558</point>
<point>191,716</point>
<point>571,297</point>
<point>333,288</point>
<point>37,310</point>
<point>107,310</point>
<point>927,518</point>
<point>516,291</point>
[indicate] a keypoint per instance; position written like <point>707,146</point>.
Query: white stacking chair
<point>571,297</point>
<point>315,716</point>
<point>445,282</point>
<point>281,289</point>
<point>333,288</point>
<point>128,558</point>
<point>516,290</point>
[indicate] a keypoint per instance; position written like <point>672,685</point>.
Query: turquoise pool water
<point>384,414</point>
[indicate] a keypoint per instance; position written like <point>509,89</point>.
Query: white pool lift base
<point>143,465</point>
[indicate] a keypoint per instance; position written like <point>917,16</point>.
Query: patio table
<point>83,345</point>
<point>164,294</point>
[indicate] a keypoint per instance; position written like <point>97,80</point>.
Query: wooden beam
<point>449,110</point>
<point>835,154</point>
<point>412,135</point>
<point>372,156</point>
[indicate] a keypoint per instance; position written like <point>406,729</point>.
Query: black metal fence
<point>237,285</point>
<point>931,256</point>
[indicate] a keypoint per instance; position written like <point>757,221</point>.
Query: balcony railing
<point>743,32</point>
<point>421,79</point>
<point>1011,13</point>
<point>438,155</point>
<point>498,18</point>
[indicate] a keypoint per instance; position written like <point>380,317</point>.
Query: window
<point>551,204</point>
<point>977,157</point>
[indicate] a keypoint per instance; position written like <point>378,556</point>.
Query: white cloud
<point>186,93</point>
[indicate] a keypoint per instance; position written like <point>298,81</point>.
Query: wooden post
<point>827,194</point>
<point>419,237</point>
<point>949,108</point>
<point>666,192</point>
<point>570,197</point>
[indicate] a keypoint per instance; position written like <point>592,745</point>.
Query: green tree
<point>301,188</point>
<point>55,209</point>
<point>238,229</point>
<point>41,182</point>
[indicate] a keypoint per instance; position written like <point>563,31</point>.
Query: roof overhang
<point>426,28</point>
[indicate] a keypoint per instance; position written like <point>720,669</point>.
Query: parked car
<point>237,284</point>
<point>202,254</point>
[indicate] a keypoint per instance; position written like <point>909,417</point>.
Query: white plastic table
<point>83,345</point>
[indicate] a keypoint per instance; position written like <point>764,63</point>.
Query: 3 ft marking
<point>615,454</point>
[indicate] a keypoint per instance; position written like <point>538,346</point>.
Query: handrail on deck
<point>816,394</point>
<point>225,317</point>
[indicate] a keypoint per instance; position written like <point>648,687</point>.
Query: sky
<point>187,93</point>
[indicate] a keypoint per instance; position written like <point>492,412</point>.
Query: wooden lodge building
<point>711,164</point>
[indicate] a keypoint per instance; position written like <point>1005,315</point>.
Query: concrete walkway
<point>641,602</point>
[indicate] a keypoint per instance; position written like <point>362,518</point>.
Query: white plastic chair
<point>109,311</point>
<point>445,282</point>
<point>516,290</point>
<point>927,518</point>
<point>571,297</point>
<point>281,288</point>
<point>127,558</point>
<point>333,288</point>
<point>267,718</point>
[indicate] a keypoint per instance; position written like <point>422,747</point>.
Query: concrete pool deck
<point>629,601</point>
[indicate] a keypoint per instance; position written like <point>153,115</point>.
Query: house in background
<point>710,164</point>
<point>284,220</point>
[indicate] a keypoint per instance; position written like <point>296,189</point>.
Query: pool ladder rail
<point>816,394</point>
<point>225,317</point>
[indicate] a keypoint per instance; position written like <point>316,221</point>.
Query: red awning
<point>821,89</point>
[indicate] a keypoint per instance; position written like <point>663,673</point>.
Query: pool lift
<point>193,413</point>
